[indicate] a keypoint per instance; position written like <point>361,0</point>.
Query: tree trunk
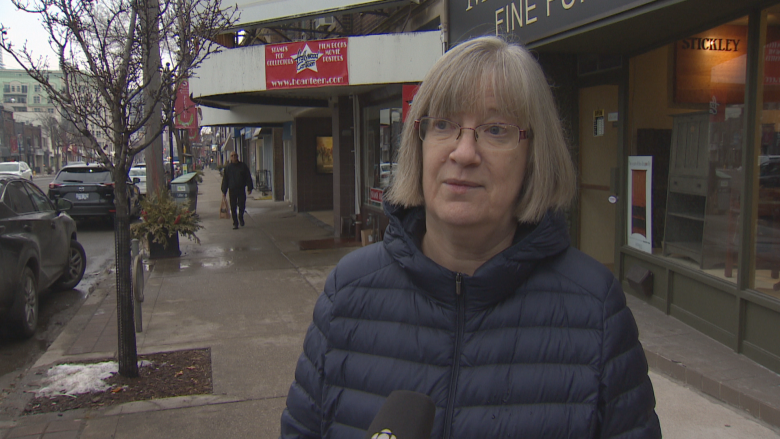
<point>127,351</point>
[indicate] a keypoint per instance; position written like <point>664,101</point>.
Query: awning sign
<point>306,64</point>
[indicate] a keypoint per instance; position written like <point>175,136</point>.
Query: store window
<point>687,103</point>
<point>382,138</point>
<point>766,277</point>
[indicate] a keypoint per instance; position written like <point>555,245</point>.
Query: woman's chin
<point>463,217</point>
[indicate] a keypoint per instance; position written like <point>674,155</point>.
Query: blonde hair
<point>458,83</point>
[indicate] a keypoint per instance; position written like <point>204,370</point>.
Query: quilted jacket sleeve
<point>627,402</point>
<point>303,416</point>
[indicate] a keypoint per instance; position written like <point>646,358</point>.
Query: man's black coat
<point>235,177</point>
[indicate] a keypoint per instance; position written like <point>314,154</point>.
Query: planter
<point>158,251</point>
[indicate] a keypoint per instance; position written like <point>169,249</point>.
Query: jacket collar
<point>493,281</point>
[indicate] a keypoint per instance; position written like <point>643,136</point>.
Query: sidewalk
<point>248,294</point>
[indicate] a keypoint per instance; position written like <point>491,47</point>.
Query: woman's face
<point>466,184</point>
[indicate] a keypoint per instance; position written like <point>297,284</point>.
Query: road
<point>57,308</point>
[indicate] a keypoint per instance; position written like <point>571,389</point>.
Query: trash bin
<point>185,190</point>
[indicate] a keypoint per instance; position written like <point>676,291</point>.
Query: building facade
<point>672,115</point>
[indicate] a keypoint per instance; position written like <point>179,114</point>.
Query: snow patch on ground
<point>76,379</point>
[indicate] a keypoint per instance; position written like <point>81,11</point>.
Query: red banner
<point>306,64</point>
<point>186,113</point>
<point>14,146</point>
<point>408,92</point>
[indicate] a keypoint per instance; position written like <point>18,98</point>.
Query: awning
<point>265,13</point>
<point>240,95</point>
<point>646,27</point>
<point>228,145</point>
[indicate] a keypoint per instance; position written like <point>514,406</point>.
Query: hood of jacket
<point>492,282</point>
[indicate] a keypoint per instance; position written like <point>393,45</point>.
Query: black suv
<point>90,188</point>
<point>38,249</point>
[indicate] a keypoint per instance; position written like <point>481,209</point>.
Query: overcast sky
<point>24,27</point>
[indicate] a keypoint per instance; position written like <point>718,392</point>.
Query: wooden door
<point>598,155</point>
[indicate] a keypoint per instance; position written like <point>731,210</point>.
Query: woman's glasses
<point>502,136</point>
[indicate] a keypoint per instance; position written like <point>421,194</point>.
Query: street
<point>57,308</point>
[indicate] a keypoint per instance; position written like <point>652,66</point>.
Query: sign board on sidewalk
<point>375,195</point>
<point>640,207</point>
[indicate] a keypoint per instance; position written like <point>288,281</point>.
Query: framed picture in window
<point>324,155</point>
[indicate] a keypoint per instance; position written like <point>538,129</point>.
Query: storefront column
<point>278,165</point>
<point>343,163</point>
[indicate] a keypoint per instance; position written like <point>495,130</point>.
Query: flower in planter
<point>162,217</point>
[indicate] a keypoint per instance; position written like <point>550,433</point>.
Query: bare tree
<point>102,47</point>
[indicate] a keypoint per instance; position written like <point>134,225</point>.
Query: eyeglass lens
<point>493,135</point>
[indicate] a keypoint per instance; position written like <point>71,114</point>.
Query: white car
<point>17,168</point>
<point>140,174</point>
<point>386,172</point>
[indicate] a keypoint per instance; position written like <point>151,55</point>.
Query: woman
<point>475,297</point>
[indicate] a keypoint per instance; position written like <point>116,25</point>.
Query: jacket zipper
<point>460,309</point>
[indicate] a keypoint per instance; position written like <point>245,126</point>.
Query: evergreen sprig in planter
<point>163,220</point>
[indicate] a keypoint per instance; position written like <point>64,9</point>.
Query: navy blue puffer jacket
<point>538,343</point>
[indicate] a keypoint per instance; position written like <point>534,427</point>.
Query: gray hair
<point>458,83</point>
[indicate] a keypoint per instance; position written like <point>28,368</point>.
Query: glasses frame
<point>522,133</point>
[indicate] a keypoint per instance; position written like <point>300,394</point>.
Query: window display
<point>692,124</point>
<point>382,138</point>
<point>766,278</point>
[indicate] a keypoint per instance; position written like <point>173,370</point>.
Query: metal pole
<point>170,127</point>
<point>170,142</point>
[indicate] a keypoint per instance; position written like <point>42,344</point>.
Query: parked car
<point>21,169</point>
<point>38,250</point>
<point>386,172</point>
<point>90,187</point>
<point>138,176</point>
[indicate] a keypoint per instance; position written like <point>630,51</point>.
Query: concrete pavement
<point>248,294</point>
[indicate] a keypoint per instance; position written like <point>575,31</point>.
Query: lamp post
<point>171,123</point>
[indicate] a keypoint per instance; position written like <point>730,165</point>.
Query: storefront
<point>673,112</point>
<point>335,124</point>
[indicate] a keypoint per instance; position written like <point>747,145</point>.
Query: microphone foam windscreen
<point>405,415</point>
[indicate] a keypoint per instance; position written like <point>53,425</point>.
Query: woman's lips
<point>460,186</point>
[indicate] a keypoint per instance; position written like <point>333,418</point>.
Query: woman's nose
<point>465,152</point>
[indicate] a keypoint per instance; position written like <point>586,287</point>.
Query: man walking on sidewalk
<point>235,177</point>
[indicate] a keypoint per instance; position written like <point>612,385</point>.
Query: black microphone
<point>405,415</point>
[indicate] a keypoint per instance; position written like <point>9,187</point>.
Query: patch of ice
<point>77,379</point>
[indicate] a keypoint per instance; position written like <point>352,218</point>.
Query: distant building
<point>30,105</point>
<point>21,93</point>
